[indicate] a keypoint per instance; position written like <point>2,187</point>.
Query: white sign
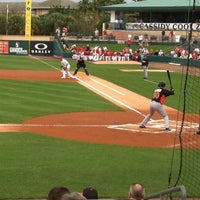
<point>163,26</point>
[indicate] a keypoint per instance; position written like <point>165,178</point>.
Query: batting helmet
<point>161,84</point>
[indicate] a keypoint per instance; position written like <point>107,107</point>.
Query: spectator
<point>64,31</point>
<point>90,193</point>
<point>141,39</point>
<point>57,192</point>
<point>172,35</point>
<point>129,42</point>
<point>73,196</point>
<point>136,192</point>
<point>116,23</point>
<point>105,34</point>
<point>64,41</point>
<point>121,23</point>
<point>58,32</point>
<point>96,34</point>
<point>163,35</point>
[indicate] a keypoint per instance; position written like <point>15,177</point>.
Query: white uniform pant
<point>66,72</point>
<point>155,106</point>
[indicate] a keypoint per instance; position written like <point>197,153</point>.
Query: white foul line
<point>51,125</point>
<point>45,62</point>
<point>84,83</point>
<point>103,93</point>
<point>107,86</point>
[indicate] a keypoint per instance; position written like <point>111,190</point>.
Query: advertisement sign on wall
<point>163,26</point>
<point>18,48</point>
<point>4,47</point>
<point>41,48</point>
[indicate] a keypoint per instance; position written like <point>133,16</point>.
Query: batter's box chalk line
<point>154,126</point>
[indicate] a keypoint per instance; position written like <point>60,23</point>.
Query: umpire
<point>81,63</point>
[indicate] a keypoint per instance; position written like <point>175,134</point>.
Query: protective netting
<point>188,132</point>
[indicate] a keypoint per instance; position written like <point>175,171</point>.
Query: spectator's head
<point>73,196</point>
<point>90,193</point>
<point>57,192</point>
<point>136,191</point>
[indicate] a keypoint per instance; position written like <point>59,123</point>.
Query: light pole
<point>7,19</point>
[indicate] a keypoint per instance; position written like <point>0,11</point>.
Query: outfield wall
<point>181,61</point>
<point>19,47</point>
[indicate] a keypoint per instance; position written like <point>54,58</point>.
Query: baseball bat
<point>170,81</point>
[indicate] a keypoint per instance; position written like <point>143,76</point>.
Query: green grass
<point>32,164</point>
<point>21,100</point>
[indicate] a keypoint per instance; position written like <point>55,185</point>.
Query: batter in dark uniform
<point>81,63</point>
<point>158,99</point>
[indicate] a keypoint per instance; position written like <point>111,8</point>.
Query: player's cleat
<point>142,126</point>
<point>167,129</point>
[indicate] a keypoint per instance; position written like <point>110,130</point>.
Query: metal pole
<point>7,19</point>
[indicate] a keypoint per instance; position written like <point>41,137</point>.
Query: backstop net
<point>188,132</point>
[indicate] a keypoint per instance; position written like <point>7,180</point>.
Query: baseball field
<point>84,131</point>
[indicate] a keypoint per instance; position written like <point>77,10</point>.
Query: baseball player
<point>144,64</point>
<point>158,99</point>
<point>81,63</point>
<point>65,66</point>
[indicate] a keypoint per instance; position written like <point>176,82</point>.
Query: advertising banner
<point>163,26</point>
<point>41,48</point>
<point>18,47</point>
<point>4,45</point>
<point>28,19</point>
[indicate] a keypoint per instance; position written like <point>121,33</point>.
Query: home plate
<point>158,129</point>
<point>154,126</point>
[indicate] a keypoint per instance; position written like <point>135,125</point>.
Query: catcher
<point>65,66</point>
<point>81,63</point>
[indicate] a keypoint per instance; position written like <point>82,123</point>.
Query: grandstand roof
<point>155,5</point>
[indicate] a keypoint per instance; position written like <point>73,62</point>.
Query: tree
<point>97,4</point>
<point>85,7</point>
<point>57,9</point>
<point>54,20</point>
<point>90,10</point>
<point>37,25</point>
<point>16,25</point>
<point>3,25</point>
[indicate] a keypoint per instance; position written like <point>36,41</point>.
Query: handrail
<point>169,191</point>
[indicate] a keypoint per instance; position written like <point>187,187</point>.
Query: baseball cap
<point>161,84</point>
